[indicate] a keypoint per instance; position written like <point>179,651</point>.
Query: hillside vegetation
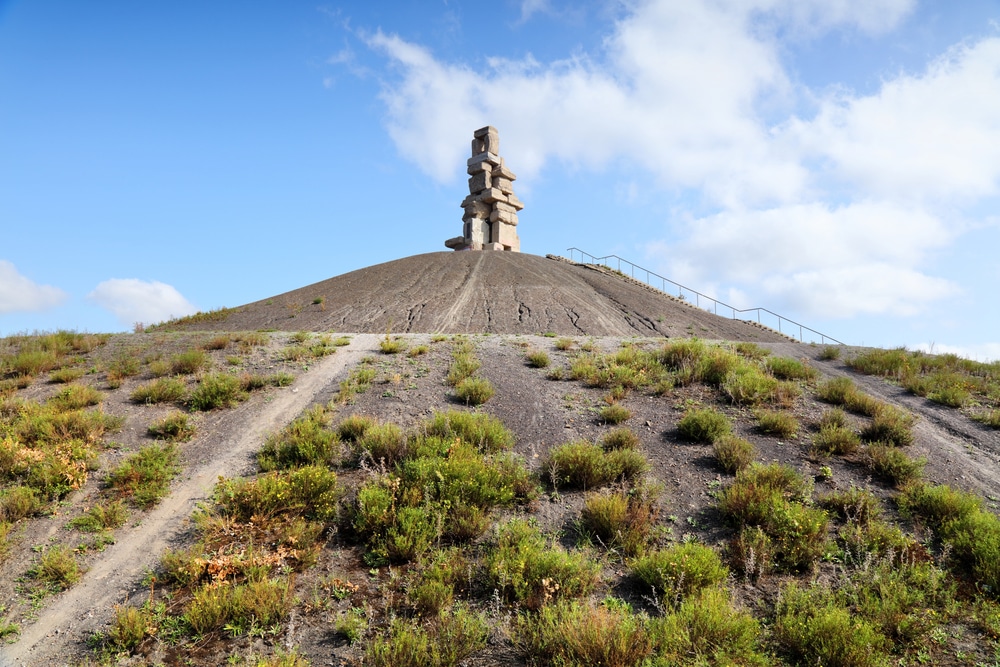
<point>538,500</point>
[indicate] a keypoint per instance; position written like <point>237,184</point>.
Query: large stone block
<point>488,139</point>
<point>503,216</point>
<point>480,181</point>
<point>502,170</point>
<point>491,158</point>
<point>507,236</point>
<point>493,195</point>
<point>477,209</point>
<point>478,167</point>
<point>501,206</point>
<point>515,202</point>
<point>504,185</point>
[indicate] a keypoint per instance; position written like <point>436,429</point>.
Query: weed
<point>585,465</point>
<point>835,440</point>
<point>890,425</point>
<point>145,476</point>
<point>190,362</point>
<point>306,441</point>
<point>786,368</point>
<point>174,427</point>
<point>66,375</point>
<point>354,426</point>
<point>990,418</point>
<point>778,424</point>
<point>538,358</point>
<point>620,438</point>
<point>751,351</point>
<point>162,390</point>
<point>463,367</point>
<point>564,344</point>
<point>829,353</point>
<point>620,519</point>
<point>75,397</point>
<point>614,414</point>
<point>18,502</point>
<point>485,432</point>
<point>892,464</point>
<point>733,453</point>
<point>217,390</point>
<point>310,491</point>
<point>835,390</point>
<point>383,444</point>
<point>580,633</point>
<point>104,516</point>
<point>680,570</point>
<point>352,624</point>
<point>129,627</point>
<point>448,641</point>
<point>704,425</point>
<point>392,345</point>
<point>57,567</point>
<point>708,630</point>
<point>748,385</point>
<point>854,504</point>
<point>526,567</point>
<point>751,552</point>
<point>419,350</point>
<point>474,390</point>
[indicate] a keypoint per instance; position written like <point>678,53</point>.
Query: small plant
<point>220,342</point>
<point>538,358</point>
<point>448,641</point>
<point>66,375</point>
<point>585,465</point>
<point>383,443</point>
<point>190,362</point>
<point>703,425</point>
<point>564,344</point>
<point>105,516</point>
<point>733,453</point>
<point>485,432</point>
<point>217,390</point>
<point>829,353</point>
<point>786,368</point>
<point>18,502</point>
<point>474,390</point>
<point>751,552</point>
<point>679,571</point>
<point>352,624</point>
<point>614,414</point>
<point>890,425</point>
<point>836,390</point>
<point>748,385</point>
<point>162,390</point>
<point>464,366</point>
<point>419,350</point>
<point>854,504</point>
<point>392,345</point>
<point>620,519</point>
<point>990,418</point>
<point>892,464</point>
<point>145,476</point>
<point>620,438</point>
<point>174,427</point>
<point>306,441</point>
<point>129,627</point>
<point>778,424</point>
<point>57,567</point>
<point>835,440</point>
<point>75,397</point>
<point>123,365</point>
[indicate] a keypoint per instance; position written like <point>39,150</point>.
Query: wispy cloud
<point>20,294</point>
<point>132,300</point>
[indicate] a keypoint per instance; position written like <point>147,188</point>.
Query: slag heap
<point>491,207</point>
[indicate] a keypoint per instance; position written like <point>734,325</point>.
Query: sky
<point>834,161</point>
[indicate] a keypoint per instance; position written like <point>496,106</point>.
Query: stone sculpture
<point>490,220</point>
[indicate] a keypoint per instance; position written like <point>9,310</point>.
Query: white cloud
<point>19,294</point>
<point>678,89</point>
<point>934,135</point>
<point>132,300</point>
<point>981,352</point>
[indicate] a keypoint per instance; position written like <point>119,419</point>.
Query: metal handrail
<point>698,296</point>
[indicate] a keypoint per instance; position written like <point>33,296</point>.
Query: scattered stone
<point>490,220</point>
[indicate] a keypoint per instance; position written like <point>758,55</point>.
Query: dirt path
<point>450,318</point>
<point>86,608</point>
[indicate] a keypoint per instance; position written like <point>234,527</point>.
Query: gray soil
<point>540,411</point>
<point>484,292</point>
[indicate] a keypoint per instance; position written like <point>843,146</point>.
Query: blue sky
<point>837,161</point>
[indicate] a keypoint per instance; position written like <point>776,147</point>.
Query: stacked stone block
<point>490,220</point>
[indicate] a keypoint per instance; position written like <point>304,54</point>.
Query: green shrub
<point>620,438</point>
<point>854,505</point>
<point>538,359</point>
<point>892,464</point>
<point>869,541</point>
<point>261,603</point>
<point>18,502</point>
<point>412,533</point>
<point>105,516</point>
<point>452,638</point>
<point>620,520</point>
<point>751,351</point>
<point>75,397</point>
<point>174,427</point>
<point>703,425</point>
<point>129,627</point>
<point>751,552</point>
<point>564,344</point>
<point>834,417</point>
<point>778,424</point>
<point>938,505</point>
<point>474,390</point>
<point>419,350</point>
<point>392,346</point>
<point>353,427</point>
<point>28,363</point>
<point>306,441</point>
<point>990,418</point>
<point>890,425</point>
<point>748,385</point>
<point>717,364</point>
<point>584,465</point>
<point>814,630</point>
<point>733,453</point>
<point>889,363</point>
<point>310,491</point>
<point>863,404</point>
<point>707,630</point>
<point>829,353</point>
<point>835,440</point>
<point>614,414</point>
<point>57,567</point>
<point>352,624</point>
<point>190,362</point>
<point>464,366</point>
<point>66,375</point>
<point>145,476</point>
<point>680,571</point>
<point>786,368</point>
<point>162,390</point>
<point>836,390</point>
<point>579,633</point>
<point>384,444</point>
<point>485,432</point>
<point>527,568</point>
<point>217,390</point>
<point>219,342</point>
